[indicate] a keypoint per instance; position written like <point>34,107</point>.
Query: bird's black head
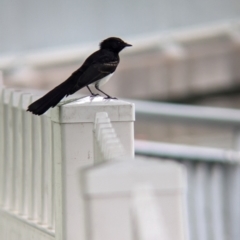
<point>114,44</point>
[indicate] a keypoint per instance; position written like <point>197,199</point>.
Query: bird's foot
<point>94,95</point>
<point>109,97</point>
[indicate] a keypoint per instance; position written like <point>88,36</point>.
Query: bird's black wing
<point>95,72</point>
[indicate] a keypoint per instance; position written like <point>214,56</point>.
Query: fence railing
<point>189,125</point>
<point>186,113</point>
<point>61,177</point>
<point>40,159</point>
<point>213,174</point>
<point>213,187</point>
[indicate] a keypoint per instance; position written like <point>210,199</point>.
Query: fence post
<point>73,149</point>
<point>117,210</point>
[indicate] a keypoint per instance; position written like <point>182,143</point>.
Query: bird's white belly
<point>102,81</point>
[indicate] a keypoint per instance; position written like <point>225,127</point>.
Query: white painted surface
<point>149,223</point>
<point>118,204</point>
<point>22,175</point>
<point>42,164</point>
<point>109,187</point>
<point>73,149</point>
<point>12,228</point>
<point>40,194</point>
<point>107,146</point>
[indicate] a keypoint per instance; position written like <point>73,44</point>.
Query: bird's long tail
<point>51,99</point>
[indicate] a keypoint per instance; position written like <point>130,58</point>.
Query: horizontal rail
<point>183,152</point>
<point>180,112</point>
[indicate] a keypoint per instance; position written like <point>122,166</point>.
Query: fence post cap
<point>85,109</point>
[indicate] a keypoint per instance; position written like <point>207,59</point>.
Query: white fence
<point>213,179</point>
<point>49,188</point>
<point>213,173</point>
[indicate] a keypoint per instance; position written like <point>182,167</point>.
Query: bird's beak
<point>128,45</point>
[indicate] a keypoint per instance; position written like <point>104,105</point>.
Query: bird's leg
<point>108,96</point>
<point>92,94</point>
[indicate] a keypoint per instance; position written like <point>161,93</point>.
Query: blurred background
<point>183,72</point>
<point>184,52</point>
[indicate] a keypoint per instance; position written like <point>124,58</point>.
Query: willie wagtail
<point>96,70</point>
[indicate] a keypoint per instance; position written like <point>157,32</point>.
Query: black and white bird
<point>96,70</point>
